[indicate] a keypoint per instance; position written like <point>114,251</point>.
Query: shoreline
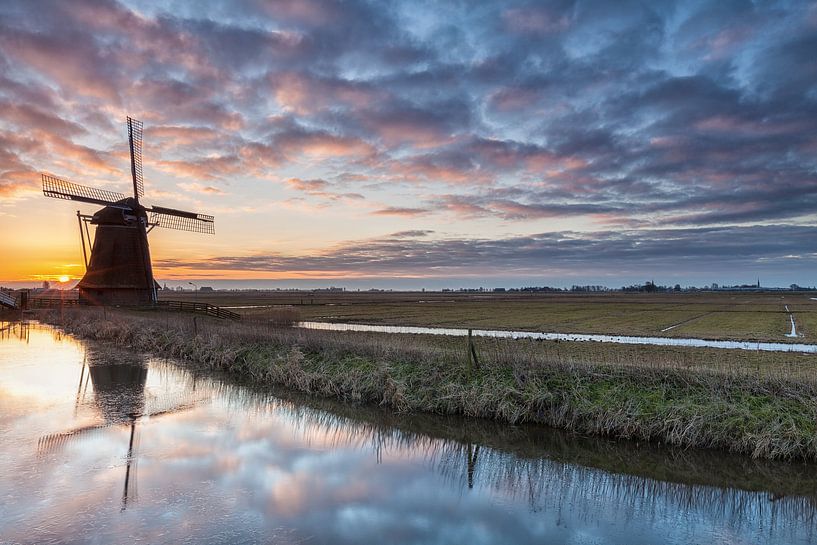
<point>763,415</point>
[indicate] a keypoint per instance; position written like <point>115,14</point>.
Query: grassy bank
<point>751,403</point>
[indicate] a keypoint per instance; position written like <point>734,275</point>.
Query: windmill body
<point>119,271</point>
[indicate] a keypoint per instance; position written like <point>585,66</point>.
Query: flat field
<point>760,316</point>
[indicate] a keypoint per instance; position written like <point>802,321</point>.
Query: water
<point>101,445</point>
<point>573,337</point>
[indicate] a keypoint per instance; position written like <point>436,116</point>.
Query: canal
<point>102,445</point>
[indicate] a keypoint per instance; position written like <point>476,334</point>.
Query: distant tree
<point>677,287</point>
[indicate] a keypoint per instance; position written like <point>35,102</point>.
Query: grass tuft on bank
<point>763,405</point>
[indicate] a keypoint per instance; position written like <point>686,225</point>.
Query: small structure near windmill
<point>7,300</point>
<point>119,271</point>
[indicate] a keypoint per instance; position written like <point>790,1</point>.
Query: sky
<point>421,144</point>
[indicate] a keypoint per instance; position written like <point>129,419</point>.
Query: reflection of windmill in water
<point>120,399</point>
<point>119,271</point>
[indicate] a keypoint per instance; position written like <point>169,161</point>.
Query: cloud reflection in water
<point>233,465</point>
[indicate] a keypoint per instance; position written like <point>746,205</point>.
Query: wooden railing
<point>179,306</point>
<point>202,308</point>
<point>52,302</point>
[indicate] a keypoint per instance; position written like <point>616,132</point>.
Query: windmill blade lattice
<point>171,218</point>
<point>135,138</point>
<point>63,189</point>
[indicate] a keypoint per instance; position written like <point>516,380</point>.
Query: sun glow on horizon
<point>64,278</point>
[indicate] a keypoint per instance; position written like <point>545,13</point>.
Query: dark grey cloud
<point>645,250</point>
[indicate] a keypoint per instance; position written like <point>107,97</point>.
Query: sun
<point>64,278</point>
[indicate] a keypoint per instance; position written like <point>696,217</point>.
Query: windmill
<point>120,398</point>
<point>119,271</point>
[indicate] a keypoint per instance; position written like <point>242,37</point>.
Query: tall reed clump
<point>282,316</point>
<point>691,398</point>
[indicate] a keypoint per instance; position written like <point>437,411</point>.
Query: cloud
<point>414,233</point>
<point>535,20</point>
<point>306,93</point>
<point>430,126</point>
<point>400,211</point>
<point>27,117</point>
<point>209,168</point>
<point>188,103</point>
<point>309,186</point>
<point>666,251</point>
<point>322,190</point>
<point>17,178</point>
<point>70,58</point>
<point>204,189</point>
<point>321,144</point>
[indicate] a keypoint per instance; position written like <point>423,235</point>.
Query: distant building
<point>206,288</point>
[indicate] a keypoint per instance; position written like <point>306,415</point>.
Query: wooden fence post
<point>473,453</point>
<point>473,362</point>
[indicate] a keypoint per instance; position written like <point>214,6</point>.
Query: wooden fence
<point>52,302</point>
<point>178,306</point>
<point>201,308</point>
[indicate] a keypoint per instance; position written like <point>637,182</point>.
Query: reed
<point>764,405</point>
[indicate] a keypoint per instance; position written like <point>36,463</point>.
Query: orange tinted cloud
<point>17,178</point>
<point>306,94</point>
<point>322,144</point>
<point>308,186</point>
<point>208,168</point>
<point>205,189</point>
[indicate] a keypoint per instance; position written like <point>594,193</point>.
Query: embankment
<point>762,414</point>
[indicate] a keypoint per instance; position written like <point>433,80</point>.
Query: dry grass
<point>761,404</point>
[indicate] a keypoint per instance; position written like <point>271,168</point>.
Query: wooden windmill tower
<point>119,271</point>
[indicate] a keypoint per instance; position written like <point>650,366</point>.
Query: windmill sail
<point>135,140</point>
<point>62,189</point>
<point>171,218</point>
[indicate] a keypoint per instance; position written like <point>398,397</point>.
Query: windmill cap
<point>111,215</point>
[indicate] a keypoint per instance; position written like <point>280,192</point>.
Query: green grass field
<point>711,315</point>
